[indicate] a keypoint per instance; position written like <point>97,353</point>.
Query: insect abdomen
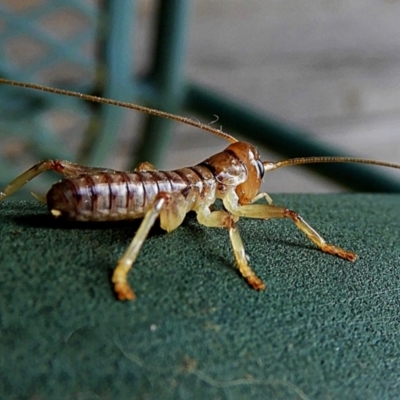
<point>119,195</point>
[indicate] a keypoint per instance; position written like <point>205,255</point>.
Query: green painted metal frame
<point>21,110</point>
<point>163,88</point>
<point>287,140</point>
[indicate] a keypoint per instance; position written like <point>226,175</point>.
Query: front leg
<point>266,211</point>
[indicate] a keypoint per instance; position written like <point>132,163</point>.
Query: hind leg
<point>62,167</point>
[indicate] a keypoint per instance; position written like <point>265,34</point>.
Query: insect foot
<point>337,251</point>
<point>256,283</point>
<point>121,287</point>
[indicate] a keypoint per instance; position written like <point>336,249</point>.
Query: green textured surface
<point>324,329</point>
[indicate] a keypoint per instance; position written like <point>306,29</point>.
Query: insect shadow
<point>122,230</point>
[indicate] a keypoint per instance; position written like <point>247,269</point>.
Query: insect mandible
<point>234,176</point>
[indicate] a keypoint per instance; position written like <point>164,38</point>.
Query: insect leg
<point>171,208</point>
<point>266,211</point>
<point>62,167</point>
<point>39,197</point>
<point>145,166</point>
<point>263,195</point>
<point>223,219</point>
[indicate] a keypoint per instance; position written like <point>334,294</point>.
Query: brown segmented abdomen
<point>108,196</point>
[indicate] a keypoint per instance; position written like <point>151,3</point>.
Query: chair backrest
<point>56,44</point>
<point>49,42</point>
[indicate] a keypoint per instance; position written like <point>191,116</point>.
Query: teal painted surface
<point>324,328</point>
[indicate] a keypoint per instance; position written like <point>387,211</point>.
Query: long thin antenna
<point>270,166</point>
<point>131,106</point>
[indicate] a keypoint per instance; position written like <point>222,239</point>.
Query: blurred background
<point>328,68</point>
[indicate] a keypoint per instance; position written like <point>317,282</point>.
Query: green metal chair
<point>109,74</point>
<point>28,52</point>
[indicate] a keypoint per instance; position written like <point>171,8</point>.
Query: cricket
<point>234,176</point>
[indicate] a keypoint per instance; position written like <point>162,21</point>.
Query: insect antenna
<point>270,166</point>
<point>131,106</point>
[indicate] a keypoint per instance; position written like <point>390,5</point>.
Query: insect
<point>234,176</point>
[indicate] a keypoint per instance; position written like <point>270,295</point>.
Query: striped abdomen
<point>108,196</point>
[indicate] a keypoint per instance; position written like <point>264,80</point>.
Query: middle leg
<point>171,208</point>
<point>223,219</point>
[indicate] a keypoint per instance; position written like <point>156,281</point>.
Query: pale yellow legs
<point>266,211</point>
<point>229,218</point>
<point>120,276</point>
<point>171,208</point>
<point>223,219</point>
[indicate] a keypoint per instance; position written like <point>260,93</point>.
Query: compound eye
<point>260,167</point>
